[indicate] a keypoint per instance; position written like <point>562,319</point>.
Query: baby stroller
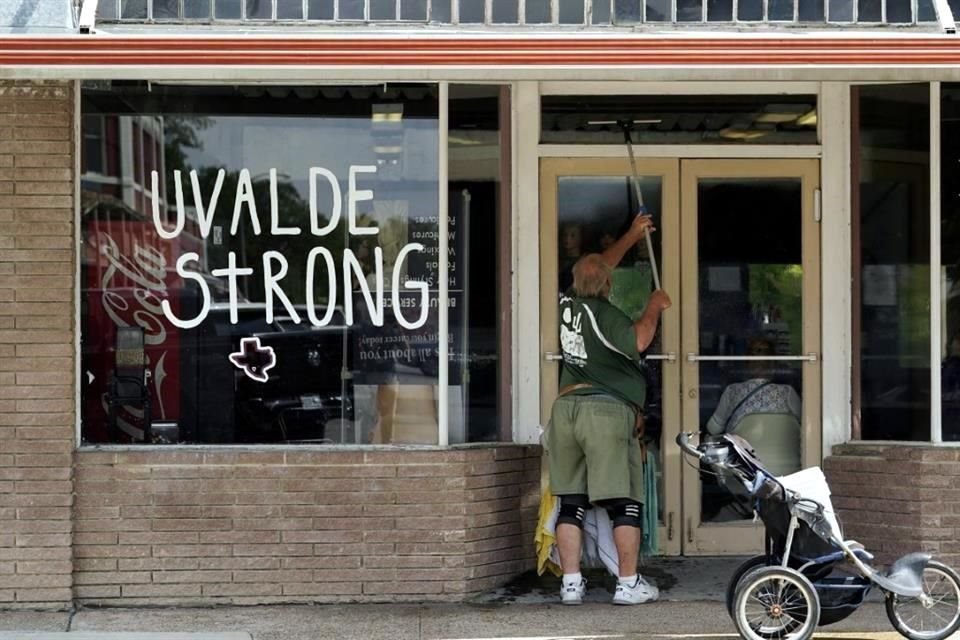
<point>809,575</point>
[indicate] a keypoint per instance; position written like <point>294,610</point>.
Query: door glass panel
<point>750,304</point>
<point>592,212</point>
<point>760,401</point>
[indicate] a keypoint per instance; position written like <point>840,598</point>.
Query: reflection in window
<point>320,9</point>
<point>259,9</point>
<point>627,11</point>
<point>133,9</point>
<point>869,10</point>
<point>750,302</point>
<point>228,9</point>
<point>571,12</point>
<point>719,10</point>
<point>841,10</point>
<point>950,260</point>
<point>332,270</point>
<point>891,226</point>
<point>601,13</point>
<point>810,10</point>
<point>750,10</point>
<point>478,252</point>
<point>689,10</point>
<point>780,10</point>
<point>504,11</point>
<point>471,11</point>
<point>760,401</point>
<point>659,11</point>
<point>538,11</point>
<point>786,119</point>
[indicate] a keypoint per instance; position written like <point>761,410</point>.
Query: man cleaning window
<point>592,441</point>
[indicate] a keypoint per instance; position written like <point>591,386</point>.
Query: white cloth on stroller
<point>810,483</point>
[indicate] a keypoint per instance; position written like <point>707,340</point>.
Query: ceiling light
<point>387,112</point>
<point>735,133</point>
<point>809,119</point>
<point>781,113</point>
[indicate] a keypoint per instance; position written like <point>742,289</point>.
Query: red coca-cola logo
<point>128,280</point>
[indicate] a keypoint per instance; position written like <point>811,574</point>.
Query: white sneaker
<point>573,593</point>
<point>639,593</point>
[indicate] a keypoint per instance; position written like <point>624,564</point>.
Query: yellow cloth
<point>544,538</point>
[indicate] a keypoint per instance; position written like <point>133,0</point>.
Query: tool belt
<point>640,423</point>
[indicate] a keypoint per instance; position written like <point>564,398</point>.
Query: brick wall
<point>36,342</point>
<point>898,499</point>
<point>189,526</point>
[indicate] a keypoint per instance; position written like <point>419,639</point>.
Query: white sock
<point>629,581</point>
<point>572,578</point>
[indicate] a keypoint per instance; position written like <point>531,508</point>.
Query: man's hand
<point>640,225</point>
<point>638,228</point>
<point>646,327</point>
<point>659,300</point>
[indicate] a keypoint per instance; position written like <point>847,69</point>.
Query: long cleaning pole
<point>643,209</point>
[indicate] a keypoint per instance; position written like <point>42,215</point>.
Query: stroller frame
<point>805,548</point>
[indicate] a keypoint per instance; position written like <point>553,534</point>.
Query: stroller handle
<point>683,440</point>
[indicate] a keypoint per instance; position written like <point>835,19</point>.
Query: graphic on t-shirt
<point>571,338</point>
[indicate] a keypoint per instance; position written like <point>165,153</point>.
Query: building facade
<point>279,278</point>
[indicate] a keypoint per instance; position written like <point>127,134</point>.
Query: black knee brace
<point>573,508</point>
<point>625,513</point>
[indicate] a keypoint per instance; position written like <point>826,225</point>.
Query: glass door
<point>751,330</point>
<point>586,204</point>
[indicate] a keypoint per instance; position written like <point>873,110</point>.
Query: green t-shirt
<point>600,348</point>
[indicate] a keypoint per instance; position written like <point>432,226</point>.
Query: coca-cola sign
<point>129,275</point>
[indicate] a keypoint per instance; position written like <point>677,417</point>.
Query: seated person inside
<point>765,413</point>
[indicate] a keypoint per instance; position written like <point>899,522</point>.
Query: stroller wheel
<point>774,602</point>
<point>939,616</point>
<point>742,570</point>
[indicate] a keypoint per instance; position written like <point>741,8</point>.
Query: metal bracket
<point>945,16</point>
<point>88,16</point>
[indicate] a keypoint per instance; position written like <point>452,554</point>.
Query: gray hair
<point>591,277</point>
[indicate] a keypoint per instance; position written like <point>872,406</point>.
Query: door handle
<point>670,526</point>
<point>690,530</point>
<point>552,356</point>
<point>669,357</point>
<point>810,357</point>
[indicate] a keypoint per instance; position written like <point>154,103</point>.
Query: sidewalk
<point>691,607</point>
<point>416,622</point>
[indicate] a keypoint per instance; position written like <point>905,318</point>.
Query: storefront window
<point>657,119</point>
<point>479,263</point>
<point>891,230</point>
<point>259,265</point>
<point>950,260</point>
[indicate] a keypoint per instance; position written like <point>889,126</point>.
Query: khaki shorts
<point>592,450</point>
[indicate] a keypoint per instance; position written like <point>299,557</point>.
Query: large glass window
<point>479,258</point>
<point>950,260</point>
<point>259,264</point>
<point>891,230</point>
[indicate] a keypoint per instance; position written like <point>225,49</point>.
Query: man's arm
<point>615,252</point>
<point>646,327</point>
